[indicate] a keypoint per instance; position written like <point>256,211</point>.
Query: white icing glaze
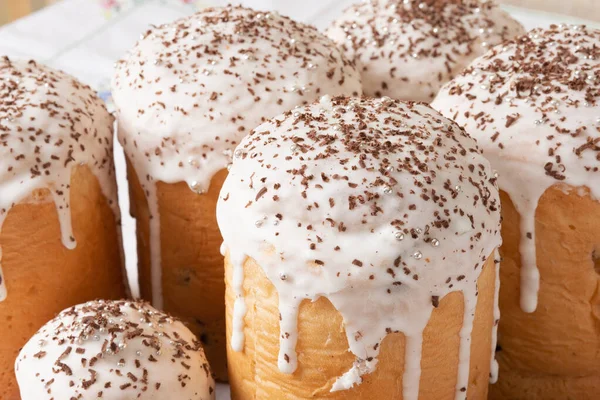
<point>412,364</point>
<point>361,367</point>
<point>464,354</point>
<point>190,90</point>
<point>532,104</point>
<point>409,49</point>
<point>494,366</point>
<point>380,206</point>
<point>239,310</point>
<point>114,350</point>
<point>49,124</point>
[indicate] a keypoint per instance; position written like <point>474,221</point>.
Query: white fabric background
<point>85,38</point>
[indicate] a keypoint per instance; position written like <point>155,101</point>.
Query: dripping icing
<point>155,247</point>
<point>402,291</point>
<point>287,360</point>
<point>464,350</point>
<point>494,366</point>
<point>239,307</point>
<point>412,366</point>
<point>193,101</point>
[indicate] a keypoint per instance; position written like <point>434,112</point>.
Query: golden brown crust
<point>552,353</point>
<point>323,348</point>
<point>43,277</point>
<point>192,280</point>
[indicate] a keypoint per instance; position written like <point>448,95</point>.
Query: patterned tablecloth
<point>85,38</point>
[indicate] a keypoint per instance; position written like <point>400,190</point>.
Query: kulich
<point>360,237</point>
<point>114,350</point>
<point>407,49</point>
<point>532,104</point>
<point>186,95</point>
<point>60,223</point>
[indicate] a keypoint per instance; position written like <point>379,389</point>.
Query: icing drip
<point>49,124</point>
<point>155,246</point>
<point>412,366</point>
<point>408,49</point>
<point>530,275</point>
<point>361,201</point>
<point>63,209</point>
<point>494,366</point>
<point>113,350</point>
<point>464,354</point>
<point>239,307</point>
<point>354,375</point>
<point>189,91</point>
<point>288,326</point>
<point>532,104</point>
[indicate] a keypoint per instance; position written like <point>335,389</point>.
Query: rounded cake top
<point>113,350</point>
<point>532,104</point>
<point>408,49</point>
<point>190,90</point>
<point>363,193</point>
<point>49,124</point>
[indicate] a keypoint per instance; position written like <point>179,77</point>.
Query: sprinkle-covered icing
<point>381,206</point>
<point>49,124</point>
<point>408,49</point>
<point>190,90</point>
<point>532,104</point>
<point>114,350</point>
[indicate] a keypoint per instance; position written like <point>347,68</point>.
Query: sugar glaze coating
<point>494,367</point>
<point>114,350</point>
<point>407,49</point>
<point>190,90</point>
<point>532,104</point>
<point>382,207</point>
<point>49,124</point>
